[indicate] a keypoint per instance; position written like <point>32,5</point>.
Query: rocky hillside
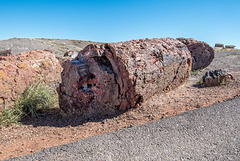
<point>59,46</point>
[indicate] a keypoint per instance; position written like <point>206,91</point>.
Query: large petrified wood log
<point>202,54</point>
<point>117,76</point>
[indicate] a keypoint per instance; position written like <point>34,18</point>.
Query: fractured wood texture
<point>117,76</point>
<point>202,54</point>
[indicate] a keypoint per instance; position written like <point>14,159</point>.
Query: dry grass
<point>37,98</point>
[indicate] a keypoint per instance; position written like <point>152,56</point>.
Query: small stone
<point>130,126</point>
<point>104,121</point>
<point>115,119</point>
<point>5,53</point>
<point>198,106</point>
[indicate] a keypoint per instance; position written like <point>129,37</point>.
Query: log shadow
<point>56,119</point>
<point>197,85</point>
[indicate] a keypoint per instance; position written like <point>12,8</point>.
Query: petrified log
<point>216,77</point>
<point>230,46</point>
<point>117,76</point>
<point>17,72</point>
<point>219,45</point>
<point>202,54</point>
<point>6,52</point>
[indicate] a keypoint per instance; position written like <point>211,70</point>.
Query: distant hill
<point>59,46</point>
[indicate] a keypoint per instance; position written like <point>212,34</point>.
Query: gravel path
<point>211,133</point>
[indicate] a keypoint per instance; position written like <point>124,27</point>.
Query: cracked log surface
<point>104,78</point>
<point>202,54</point>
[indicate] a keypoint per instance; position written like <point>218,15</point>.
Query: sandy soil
<point>52,129</point>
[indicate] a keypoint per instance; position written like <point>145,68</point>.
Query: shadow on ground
<point>56,119</point>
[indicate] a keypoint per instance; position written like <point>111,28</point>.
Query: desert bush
<point>36,98</point>
<point>10,116</point>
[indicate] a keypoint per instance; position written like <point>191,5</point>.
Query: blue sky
<point>212,21</point>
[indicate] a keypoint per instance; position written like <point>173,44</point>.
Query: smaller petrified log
<point>216,77</point>
<point>219,45</point>
<point>202,54</point>
<point>6,52</point>
<point>230,46</point>
<point>109,77</point>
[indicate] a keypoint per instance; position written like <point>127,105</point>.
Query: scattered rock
<point>216,77</point>
<point>202,54</point>
<point>17,72</point>
<point>104,78</point>
<point>71,53</point>
<point>104,121</point>
<point>230,46</point>
<point>5,53</point>
<point>130,126</point>
<point>219,45</point>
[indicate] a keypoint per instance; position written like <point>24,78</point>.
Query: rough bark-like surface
<point>216,77</point>
<point>230,46</point>
<point>5,53</point>
<point>117,76</point>
<point>219,45</point>
<point>202,54</point>
<point>17,72</point>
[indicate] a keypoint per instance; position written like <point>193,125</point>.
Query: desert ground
<point>52,129</point>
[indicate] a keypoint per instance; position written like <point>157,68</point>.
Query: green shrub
<point>37,98</point>
<point>10,116</point>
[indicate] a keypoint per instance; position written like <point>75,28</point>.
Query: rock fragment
<point>219,45</point>
<point>202,54</point>
<point>5,52</point>
<point>104,78</point>
<point>216,77</point>
<point>230,46</point>
<point>71,53</point>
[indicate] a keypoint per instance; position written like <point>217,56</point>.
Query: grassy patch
<point>10,116</point>
<point>196,72</point>
<point>37,98</point>
<point>200,82</point>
